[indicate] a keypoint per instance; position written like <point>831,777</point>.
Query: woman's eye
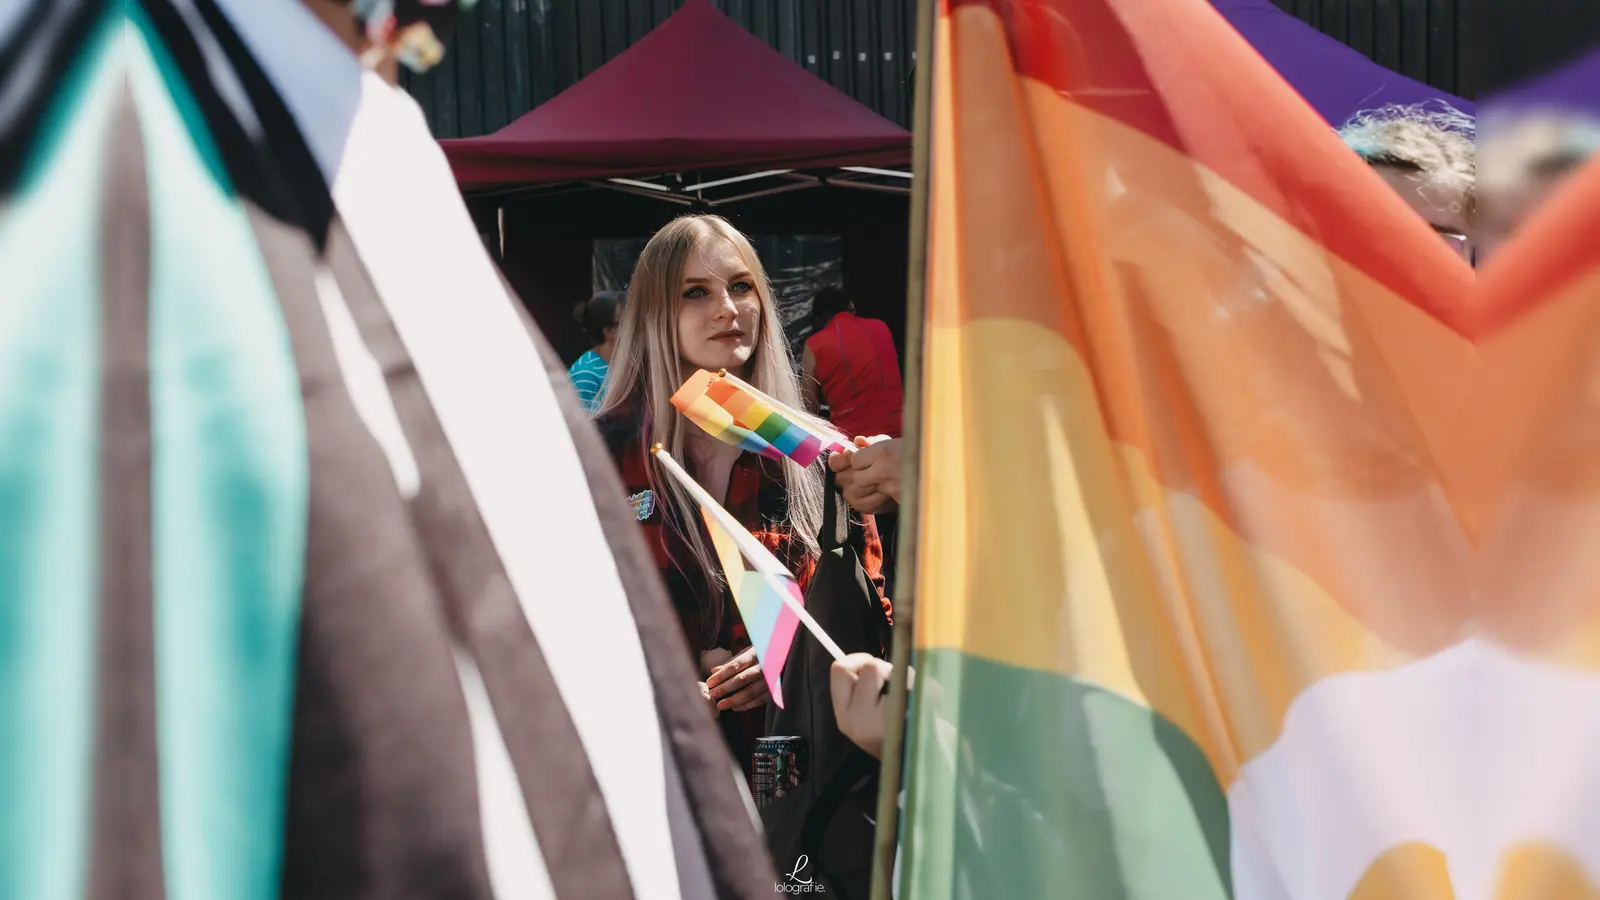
<point>742,287</point>
<point>694,293</point>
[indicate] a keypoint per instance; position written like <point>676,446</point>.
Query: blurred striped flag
<point>1210,466</point>
<point>315,581</point>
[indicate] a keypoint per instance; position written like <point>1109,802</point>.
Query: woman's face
<point>719,310</point>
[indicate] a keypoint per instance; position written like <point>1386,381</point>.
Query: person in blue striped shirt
<point>599,317</point>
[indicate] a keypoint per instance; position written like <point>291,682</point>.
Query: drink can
<point>777,767</point>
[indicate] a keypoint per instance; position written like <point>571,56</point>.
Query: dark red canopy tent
<point>699,114</point>
<point>699,92</point>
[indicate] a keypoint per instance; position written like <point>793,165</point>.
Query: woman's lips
<point>729,336</point>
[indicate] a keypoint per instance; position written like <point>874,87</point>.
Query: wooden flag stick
<point>767,564</point>
<point>887,837</point>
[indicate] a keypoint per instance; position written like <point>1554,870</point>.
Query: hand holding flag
<point>768,597</point>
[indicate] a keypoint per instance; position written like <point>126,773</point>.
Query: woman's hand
<point>860,685</point>
<point>711,659</point>
<point>869,474</point>
<point>706,693</point>
<point>739,684</point>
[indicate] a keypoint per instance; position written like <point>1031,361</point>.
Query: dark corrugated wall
<point>1429,40</point>
<point>511,55</point>
<point>1470,48</point>
<point>1521,38</point>
<point>514,54</point>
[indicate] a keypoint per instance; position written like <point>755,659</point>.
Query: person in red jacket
<point>854,363</point>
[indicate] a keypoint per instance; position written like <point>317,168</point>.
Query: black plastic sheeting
<point>798,265</point>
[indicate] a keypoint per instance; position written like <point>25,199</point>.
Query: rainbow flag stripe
<point>1202,587</point>
<point>692,401</point>
<point>736,416</point>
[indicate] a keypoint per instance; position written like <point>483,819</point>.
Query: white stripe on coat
<point>488,386</point>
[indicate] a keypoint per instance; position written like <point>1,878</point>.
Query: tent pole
<point>861,186</point>
<point>894,739</point>
<point>641,192</point>
<point>782,189</point>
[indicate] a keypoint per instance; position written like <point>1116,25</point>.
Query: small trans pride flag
<point>769,599</point>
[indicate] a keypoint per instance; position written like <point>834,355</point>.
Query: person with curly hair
<point>600,316</point>
<point>1428,155</point>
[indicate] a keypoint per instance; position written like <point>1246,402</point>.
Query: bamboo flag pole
<point>887,836</point>
<point>759,556</point>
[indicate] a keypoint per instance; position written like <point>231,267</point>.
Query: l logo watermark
<point>797,883</point>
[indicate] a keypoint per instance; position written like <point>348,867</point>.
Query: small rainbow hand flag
<point>736,413</point>
<point>768,597</point>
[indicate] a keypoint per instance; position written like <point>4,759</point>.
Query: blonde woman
<point>699,299</point>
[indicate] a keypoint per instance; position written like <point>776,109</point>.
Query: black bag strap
<point>835,514</point>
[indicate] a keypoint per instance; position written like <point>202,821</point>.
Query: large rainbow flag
<point>1257,570</point>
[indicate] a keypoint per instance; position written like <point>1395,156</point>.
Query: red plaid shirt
<point>757,497</point>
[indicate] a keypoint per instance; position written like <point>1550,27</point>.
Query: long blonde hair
<point>646,370</point>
